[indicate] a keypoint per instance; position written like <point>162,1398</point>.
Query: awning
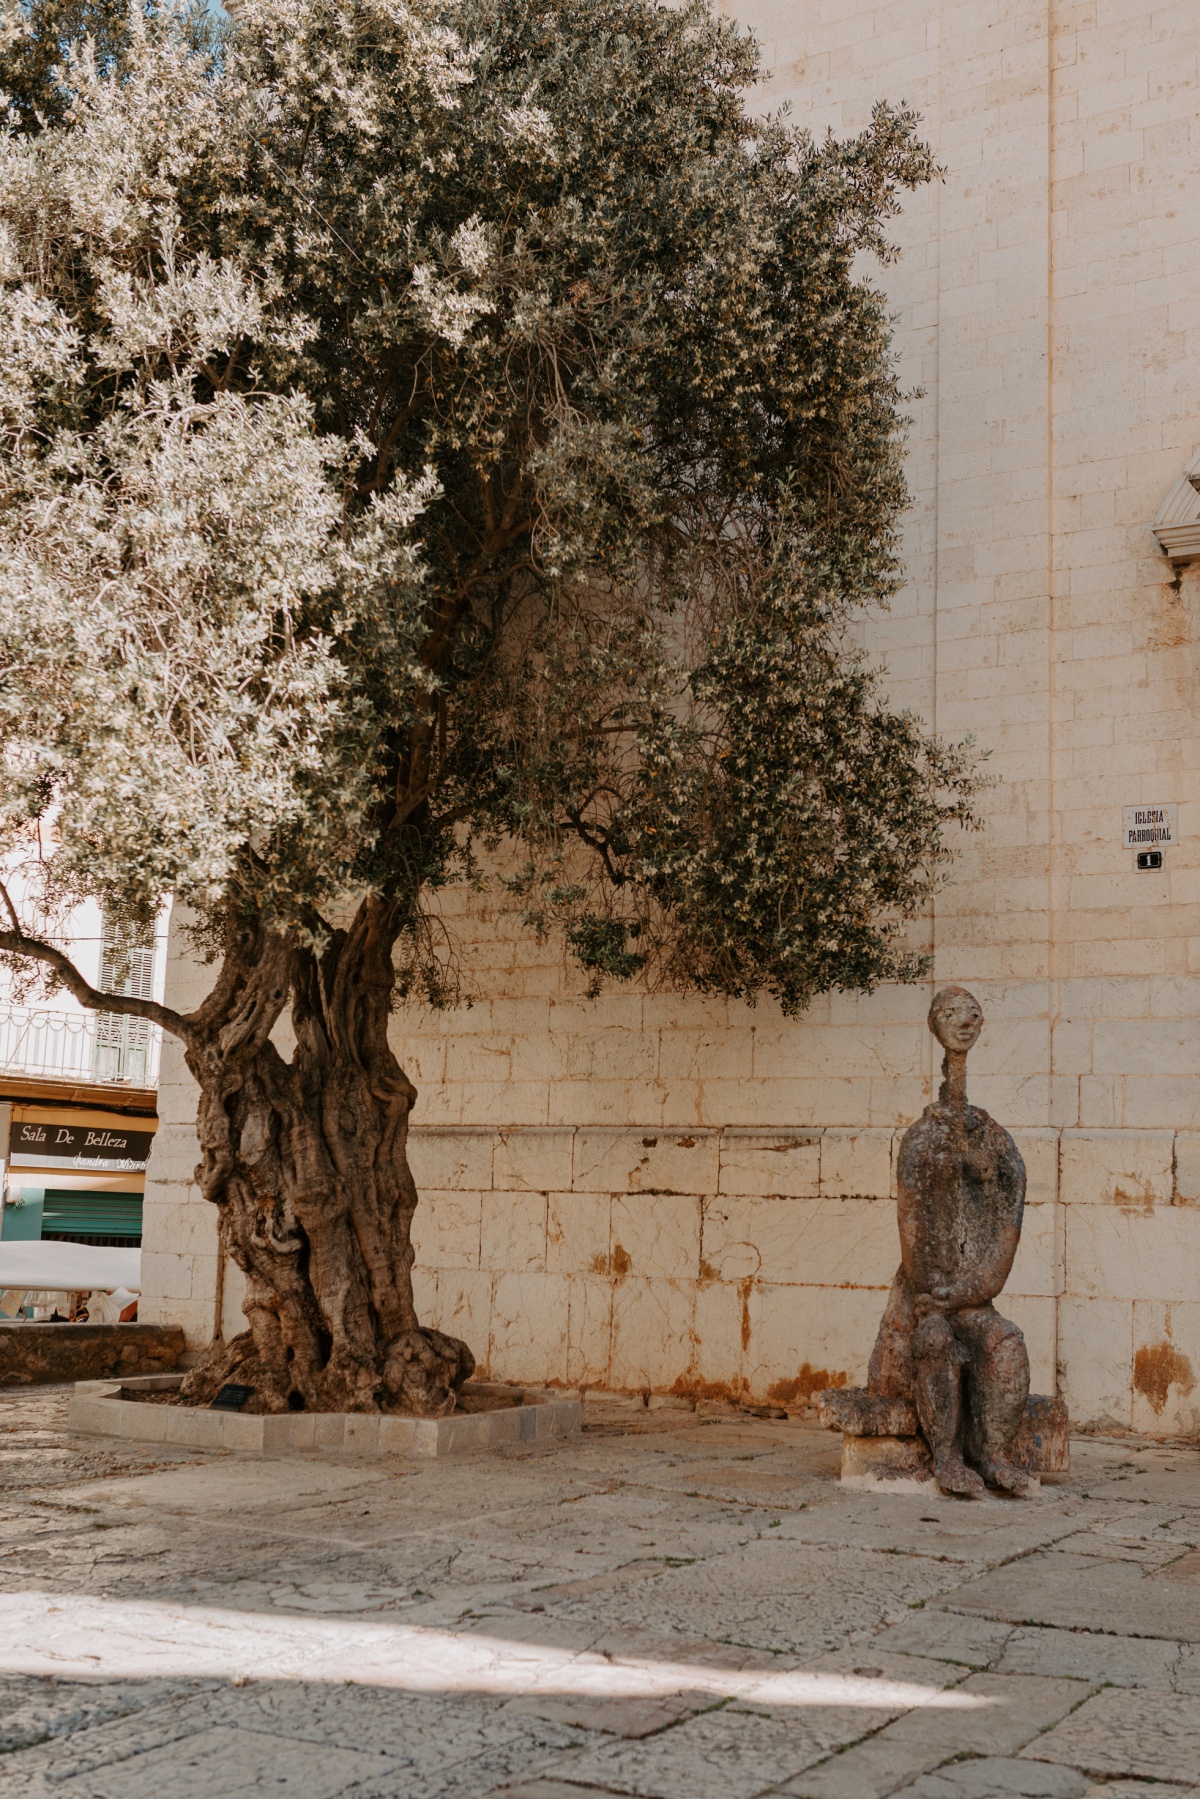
<point>68,1267</point>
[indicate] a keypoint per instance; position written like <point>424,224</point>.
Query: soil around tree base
<point>474,1397</point>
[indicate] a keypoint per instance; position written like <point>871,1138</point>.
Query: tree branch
<point>17,943</point>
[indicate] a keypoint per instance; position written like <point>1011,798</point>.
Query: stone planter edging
<point>96,1408</point>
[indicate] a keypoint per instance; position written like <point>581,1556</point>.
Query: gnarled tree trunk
<point>307,1163</point>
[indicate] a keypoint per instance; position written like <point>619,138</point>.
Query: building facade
<point>657,1191</point>
<point>77,1105</point>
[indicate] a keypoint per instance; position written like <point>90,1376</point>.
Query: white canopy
<point>68,1267</point>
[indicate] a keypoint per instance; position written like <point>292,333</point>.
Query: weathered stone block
<point>446,1229</point>
<point>1187,1167</point>
<point>1117,1252</point>
<point>451,1158</point>
<point>589,1330</point>
<point>1042,1443</point>
<point>810,1242</point>
<point>786,1163</point>
<point>1039,1152</point>
<point>167,1273</point>
<point>881,1436</point>
<point>529,1327</point>
<point>649,1161</point>
<point>656,1234</point>
<point>362,1432</point>
<point>858,1413</point>
<point>1095,1353</point>
<point>856,1162</point>
<point>721,1328</point>
<point>463,1308</point>
<point>1123,1168</point>
<point>799,1339</point>
<point>1037,1269</point>
<point>534,1160</point>
<point>577,1233</point>
<point>652,1324</point>
<point>1037,1320</point>
<point>873,1461</point>
<point>514,1232</point>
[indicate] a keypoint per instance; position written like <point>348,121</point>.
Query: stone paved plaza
<point>681,1605</point>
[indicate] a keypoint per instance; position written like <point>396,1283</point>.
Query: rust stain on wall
<point>617,1264</point>
<point>690,1386</point>
<point>807,1381</point>
<point>745,1288</point>
<point>1136,1204</point>
<point>708,1273</point>
<point>1157,1367</point>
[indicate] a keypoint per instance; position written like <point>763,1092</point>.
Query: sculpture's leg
<point>938,1359</point>
<point>997,1388</point>
<point>891,1365</point>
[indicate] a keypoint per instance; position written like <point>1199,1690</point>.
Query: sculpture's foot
<point>1002,1473</point>
<point>953,1476</point>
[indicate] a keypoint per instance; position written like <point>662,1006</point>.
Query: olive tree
<point>432,434</point>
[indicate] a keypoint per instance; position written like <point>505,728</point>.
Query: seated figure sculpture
<point>942,1344</point>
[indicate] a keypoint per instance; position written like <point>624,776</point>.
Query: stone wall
<point>755,1262</point>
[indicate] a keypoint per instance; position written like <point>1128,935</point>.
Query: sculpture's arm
<point>977,1285</point>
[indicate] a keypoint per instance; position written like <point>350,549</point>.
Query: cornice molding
<point>1177,527</point>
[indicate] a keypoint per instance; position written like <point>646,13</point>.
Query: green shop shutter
<point>105,1218</point>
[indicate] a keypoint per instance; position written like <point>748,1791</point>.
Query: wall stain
<point>1135,1205</point>
<point>617,1265</point>
<point>807,1381</point>
<point>1157,1367</point>
<point>745,1288</point>
<point>690,1386</point>
<point>1172,628</point>
<point>708,1273</point>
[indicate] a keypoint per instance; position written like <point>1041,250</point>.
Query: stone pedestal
<point>882,1443</point>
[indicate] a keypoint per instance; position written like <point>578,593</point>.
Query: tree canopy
<point>454,424</point>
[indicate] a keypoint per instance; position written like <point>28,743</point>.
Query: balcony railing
<point>100,1047</point>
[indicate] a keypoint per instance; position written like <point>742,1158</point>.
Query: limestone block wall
<point>752,1262</point>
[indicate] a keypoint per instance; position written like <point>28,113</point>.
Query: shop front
<point>71,1220</point>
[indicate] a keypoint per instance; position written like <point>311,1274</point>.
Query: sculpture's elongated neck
<point>954,1078</point>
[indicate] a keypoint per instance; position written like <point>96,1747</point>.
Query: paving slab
<point>1013,1709</point>
<point>1085,1593</point>
<point>946,1636</point>
<point>231,1762</point>
<point>996,1777</point>
<point>989,1531</point>
<point>1101,1660</point>
<point>1154,1735</point>
<point>1176,1482</point>
<point>730,1754</point>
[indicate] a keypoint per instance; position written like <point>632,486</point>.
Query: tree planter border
<point>98,1409</point>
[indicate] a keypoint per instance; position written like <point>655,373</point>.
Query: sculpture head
<point>956,1019</point>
